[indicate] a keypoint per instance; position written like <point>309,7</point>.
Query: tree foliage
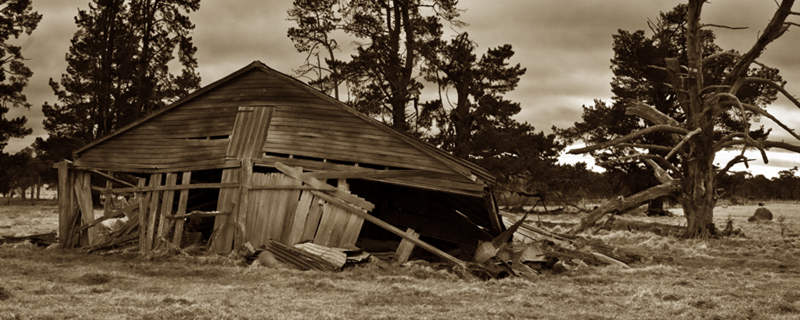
<point>16,18</point>
<point>118,67</point>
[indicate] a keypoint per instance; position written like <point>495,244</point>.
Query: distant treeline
<point>743,185</point>
<point>570,184</point>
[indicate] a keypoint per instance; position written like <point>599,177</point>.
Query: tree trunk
<point>462,124</point>
<point>697,198</point>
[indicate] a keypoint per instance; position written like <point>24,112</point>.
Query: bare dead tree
<point>698,137</point>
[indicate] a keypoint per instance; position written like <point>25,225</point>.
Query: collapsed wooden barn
<point>259,155</point>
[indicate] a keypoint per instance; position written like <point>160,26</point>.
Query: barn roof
<point>463,167</point>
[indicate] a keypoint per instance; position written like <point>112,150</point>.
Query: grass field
<point>734,278</point>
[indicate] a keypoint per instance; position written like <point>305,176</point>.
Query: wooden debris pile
<point>536,250</point>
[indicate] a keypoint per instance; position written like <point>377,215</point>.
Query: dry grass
<point>736,278</point>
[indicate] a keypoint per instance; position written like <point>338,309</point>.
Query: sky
<point>565,46</point>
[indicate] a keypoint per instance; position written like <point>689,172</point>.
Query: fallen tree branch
<point>621,204</point>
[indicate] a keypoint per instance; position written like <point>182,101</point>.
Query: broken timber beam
<point>405,247</point>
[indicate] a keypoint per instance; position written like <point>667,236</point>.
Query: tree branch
<point>731,163</point>
<point>766,144</point>
<point>683,141</point>
<point>659,172</point>
<point>650,113</point>
<point>721,26</point>
<point>774,29</point>
<point>651,129</point>
<point>645,146</point>
<point>771,117</point>
<point>638,156</point>
<point>777,86</point>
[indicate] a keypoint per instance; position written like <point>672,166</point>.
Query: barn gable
<point>305,127</point>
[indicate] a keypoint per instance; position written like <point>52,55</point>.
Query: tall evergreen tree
<point>384,71</point>
<point>316,21</point>
<point>118,67</point>
<point>479,124</point>
<point>637,81</point>
<point>716,103</point>
<point>16,17</point>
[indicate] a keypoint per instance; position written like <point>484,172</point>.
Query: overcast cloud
<point>565,46</point>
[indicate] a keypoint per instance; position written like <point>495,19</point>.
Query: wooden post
<point>152,217</point>
<point>140,197</point>
<point>184,197</point>
<point>164,224</point>
<point>64,203</point>
<point>405,247</point>
<point>240,218</point>
<point>83,195</point>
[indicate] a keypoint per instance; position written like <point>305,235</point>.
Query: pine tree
<point>118,67</point>
<point>479,126</point>
<point>16,17</point>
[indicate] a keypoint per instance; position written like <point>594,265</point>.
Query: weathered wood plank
<point>298,224</point>
<point>222,241</point>
<point>165,225</point>
<point>124,167</point>
<point>64,203</point>
<point>313,219</point>
<point>326,225</point>
<point>108,199</point>
<point>143,201</point>
<point>292,201</point>
<point>405,247</point>
<point>177,187</point>
<point>83,195</point>
<point>246,181</point>
<point>298,174</point>
<point>177,235</point>
<point>152,217</point>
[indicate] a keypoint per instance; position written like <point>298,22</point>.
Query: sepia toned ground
<point>734,278</point>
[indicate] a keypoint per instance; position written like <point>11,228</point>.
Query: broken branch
<point>621,204</point>
<point>650,113</point>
